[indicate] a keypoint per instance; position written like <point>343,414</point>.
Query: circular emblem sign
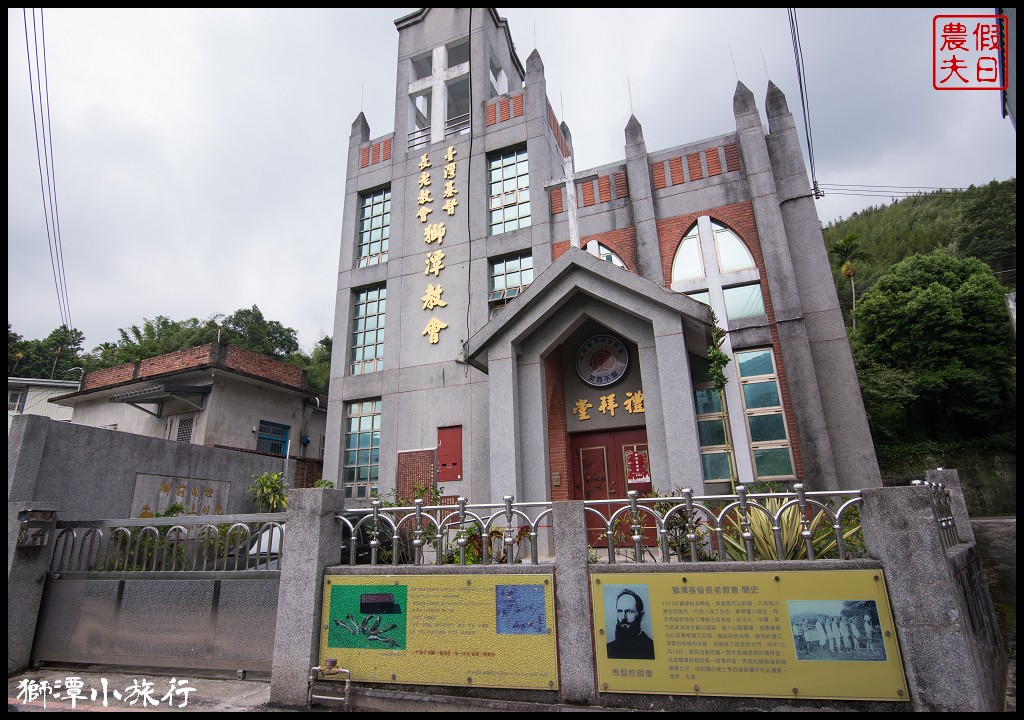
<point>601,360</point>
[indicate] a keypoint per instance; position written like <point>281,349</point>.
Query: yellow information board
<point>821,634</point>
<point>471,631</point>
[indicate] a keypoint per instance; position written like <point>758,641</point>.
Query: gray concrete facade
<point>751,179</point>
<point>50,461</point>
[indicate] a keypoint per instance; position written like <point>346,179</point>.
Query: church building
<point>507,324</point>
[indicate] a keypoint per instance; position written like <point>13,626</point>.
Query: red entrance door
<point>605,466</point>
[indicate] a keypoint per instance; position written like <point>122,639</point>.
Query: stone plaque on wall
<point>154,493</point>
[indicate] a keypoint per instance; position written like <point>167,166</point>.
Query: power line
<point>53,171</point>
<point>892,191</point>
<point>798,56</point>
<point>48,190</point>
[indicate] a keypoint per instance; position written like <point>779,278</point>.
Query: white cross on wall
<point>569,179</point>
<point>437,81</point>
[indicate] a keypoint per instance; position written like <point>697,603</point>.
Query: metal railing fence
<point>174,544</point>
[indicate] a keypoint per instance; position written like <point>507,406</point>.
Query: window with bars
<point>185,426</point>
<point>179,428</point>
<point>362,448</point>
<point>509,276</point>
<point>367,340</point>
<point>272,438</point>
<point>374,227</point>
<point>765,415</point>
<point>508,180</point>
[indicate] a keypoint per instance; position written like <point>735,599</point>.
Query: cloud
<point>200,155</point>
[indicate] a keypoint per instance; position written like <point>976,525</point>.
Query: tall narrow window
<point>766,418</point>
<point>716,452</point>
<point>508,180</point>
<point>362,448</point>
<point>374,227</point>
<point>367,348</point>
<point>510,275</point>
<point>272,438</point>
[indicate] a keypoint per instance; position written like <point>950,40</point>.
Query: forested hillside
<point>923,286</point>
<point>977,222</point>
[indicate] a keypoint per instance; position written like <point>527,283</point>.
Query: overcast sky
<point>199,155</point>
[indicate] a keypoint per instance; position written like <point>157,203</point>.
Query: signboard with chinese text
<point>456,630</point>
<point>155,493</point>
<point>638,467</point>
<point>816,634</point>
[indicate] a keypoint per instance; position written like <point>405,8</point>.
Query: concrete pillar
<point>641,204</point>
<point>576,664</point>
<point>26,577</point>
<point>900,530</point>
<point>503,410</point>
<point>312,541</point>
<point>678,413</point>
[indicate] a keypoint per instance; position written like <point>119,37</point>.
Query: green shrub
<point>269,492</point>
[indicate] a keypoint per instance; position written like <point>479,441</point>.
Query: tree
<point>846,252</point>
<point>987,228</point>
<point>938,326</point>
<point>247,328</point>
<point>51,358</point>
<point>318,369</point>
<point>154,337</point>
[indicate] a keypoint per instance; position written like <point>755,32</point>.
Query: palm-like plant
<point>846,252</point>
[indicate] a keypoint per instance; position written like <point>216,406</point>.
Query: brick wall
<point>675,174</point>
<point>307,472</point>
<point>108,376</point>
<point>255,364</point>
<point>623,242</point>
<point>556,132</point>
<point>609,187</point>
<point>693,165</point>
<point>172,362</point>
<point>713,161</point>
<point>196,357</point>
<point>558,434</point>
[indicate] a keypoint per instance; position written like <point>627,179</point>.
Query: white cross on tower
<point>569,179</point>
<point>437,83</point>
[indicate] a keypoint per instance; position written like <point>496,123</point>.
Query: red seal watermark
<point>969,52</point>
